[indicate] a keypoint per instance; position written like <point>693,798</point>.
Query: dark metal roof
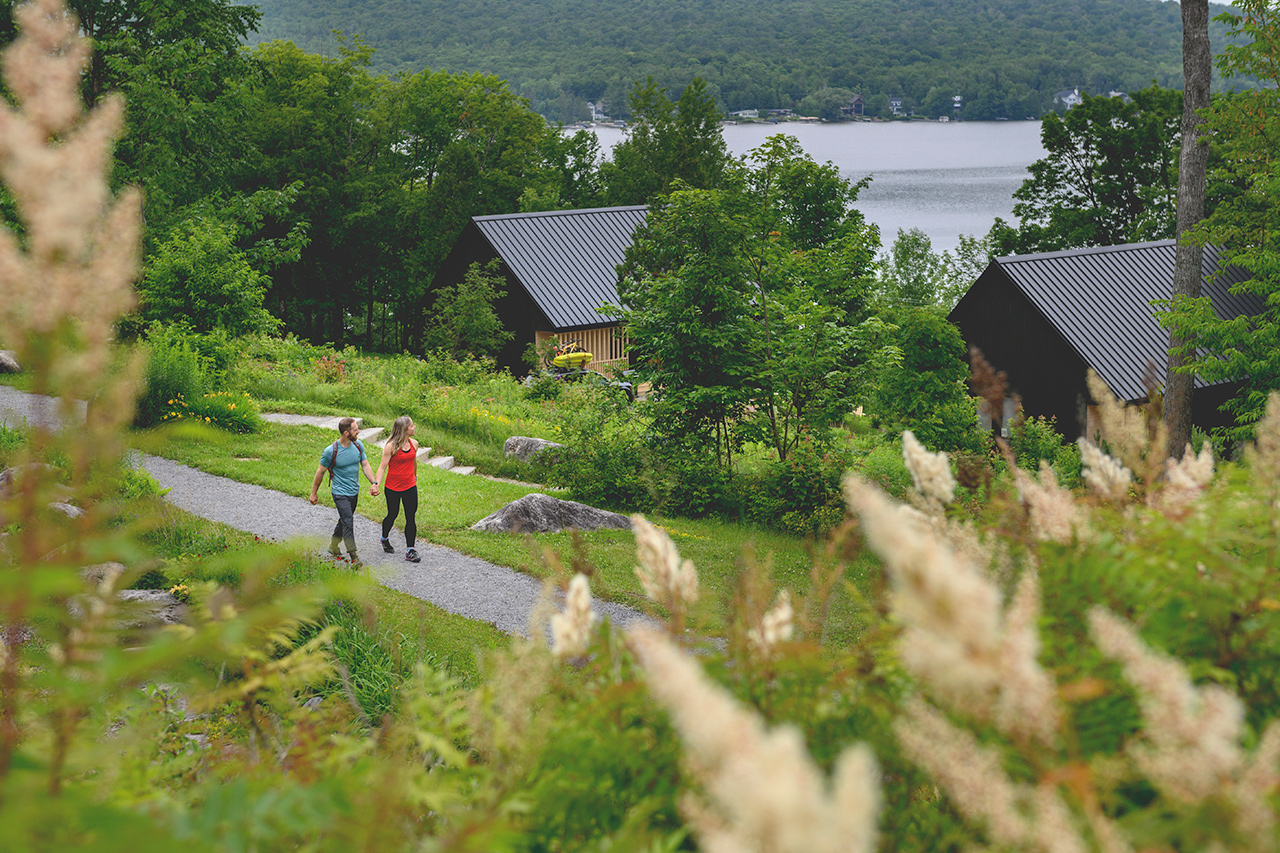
<point>1100,299</point>
<point>566,259</point>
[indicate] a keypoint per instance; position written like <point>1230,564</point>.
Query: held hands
<point>373,490</point>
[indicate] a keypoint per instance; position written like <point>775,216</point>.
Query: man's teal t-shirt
<point>346,471</point>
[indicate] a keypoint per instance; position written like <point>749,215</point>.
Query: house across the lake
<point>560,267</point>
<point>1069,98</point>
<point>1045,319</point>
<point>855,107</point>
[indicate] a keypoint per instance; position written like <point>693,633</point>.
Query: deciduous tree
<point>1197,67</point>
<point>667,142</point>
<point>743,300</point>
<point>199,277</point>
<point>1108,177</point>
<point>463,321</point>
<point>1242,224</point>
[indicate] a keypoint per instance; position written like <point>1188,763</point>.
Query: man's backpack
<point>333,458</point>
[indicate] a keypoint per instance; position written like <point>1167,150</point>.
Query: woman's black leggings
<point>410,498</point>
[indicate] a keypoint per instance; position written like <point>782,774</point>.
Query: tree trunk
<point>1196,70</point>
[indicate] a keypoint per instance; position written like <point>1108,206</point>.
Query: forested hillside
<point>1005,57</point>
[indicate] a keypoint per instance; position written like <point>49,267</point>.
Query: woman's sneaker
<point>386,546</point>
<point>412,556</point>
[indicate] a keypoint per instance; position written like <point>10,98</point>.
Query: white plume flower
<point>762,790</point>
<point>571,628</point>
<point>1105,475</point>
<point>930,472</point>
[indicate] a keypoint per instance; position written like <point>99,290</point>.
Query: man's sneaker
<point>386,546</point>
<point>412,556</point>
<point>356,562</point>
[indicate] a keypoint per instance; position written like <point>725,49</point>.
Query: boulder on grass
<point>11,477</point>
<point>139,611</point>
<point>544,514</point>
<point>524,448</point>
<point>9,362</point>
<point>142,609</point>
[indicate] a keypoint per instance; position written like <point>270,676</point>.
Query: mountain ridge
<point>1005,58</point>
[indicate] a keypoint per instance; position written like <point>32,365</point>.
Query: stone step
<point>321,421</point>
<point>462,469</point>
<point>422,449</point>
<point>374,436</point>
<point>444,463</point>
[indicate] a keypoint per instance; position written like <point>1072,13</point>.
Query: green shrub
<point>883,466</point>
<point>813,523</point>
<point>608,472</point>
<point>792,495</point>
<point>1035,439</point>
<point>137,483</point>
<point>544,387</point>
<point>927,390</point>
<point>438,368</point>
<point>1068,465</point>
<point>691,484</point>
<point>174,371</point>
<point>11,441</point>
<point>859,425</point>
<point>220,352</point>
<point>223,409</point>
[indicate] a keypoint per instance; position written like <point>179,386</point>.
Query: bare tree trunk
<point>1196,70</point>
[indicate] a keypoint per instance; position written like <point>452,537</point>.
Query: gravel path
<point>452,581</point>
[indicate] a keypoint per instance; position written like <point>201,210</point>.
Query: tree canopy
<point>1003,57</point>
<point>667,143</point>
<point>741,301</point>
<point>1242,224</point>
<point>1109,175</point>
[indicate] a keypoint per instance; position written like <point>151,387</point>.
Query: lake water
<point>946,179</point>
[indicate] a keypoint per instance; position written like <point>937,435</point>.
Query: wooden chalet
<point>1044,319</point>
<point>560,267</point>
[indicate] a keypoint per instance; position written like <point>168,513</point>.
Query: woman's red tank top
<point>402,470</point>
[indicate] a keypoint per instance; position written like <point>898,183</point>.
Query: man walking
<point>343,460</point>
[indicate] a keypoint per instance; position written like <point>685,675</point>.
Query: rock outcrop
<point>524,448</point>
<point>539,513</point>
<point>142,609</point>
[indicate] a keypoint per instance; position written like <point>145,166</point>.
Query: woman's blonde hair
<point>399,432</point>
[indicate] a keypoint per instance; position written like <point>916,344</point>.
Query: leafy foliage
<point>925,389</point>
<point>174,370</point>
<point>911,273</point>
<point>1241,348</point>
<point>464,322</point>
<point>222,409</point>
<point>198,277</point>
<point>742,297</point>
<point>667,144</point>
<point>1110,176</point>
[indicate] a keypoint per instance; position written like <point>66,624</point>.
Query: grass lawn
<point>285,458</point>
<point>407,628</point>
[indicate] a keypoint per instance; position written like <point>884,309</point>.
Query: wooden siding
<point>607,345</point>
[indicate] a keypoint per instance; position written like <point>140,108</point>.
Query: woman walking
<point>398,474</point>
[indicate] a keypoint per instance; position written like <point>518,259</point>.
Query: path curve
<point>446,578</point>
